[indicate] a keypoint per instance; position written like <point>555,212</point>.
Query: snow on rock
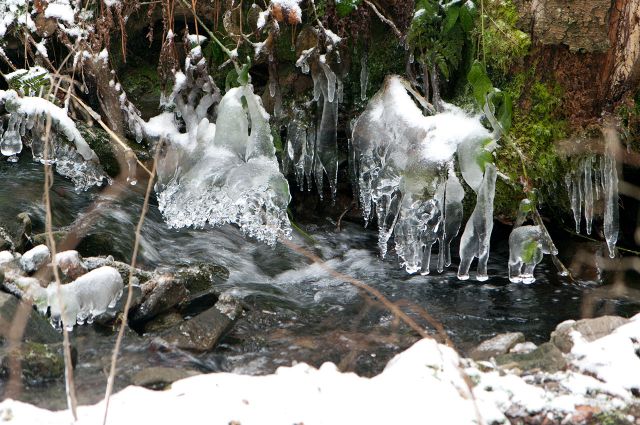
<point>421,384</point>
<point>70,263</point>
<point>6,257</point>
<point>33,259</point>
<point>613,358</point>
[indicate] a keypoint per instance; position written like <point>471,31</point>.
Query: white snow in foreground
<point>424,384</point>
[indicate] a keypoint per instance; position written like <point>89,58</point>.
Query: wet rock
<point>159,378</point>
<point>35,258</point>
<point>203,332</point>
<point>123,268</point>
<point>97,244</point>
<point>499,344</point>
<point>165,320</point>
<point>40,363</point>
<point>591,329</point>
<point>6,243</point>
<point>70,264</point>
<point>523,348</point>
<point>202,277</point>
<point>37,329</point>
<point>160,294</point>
<point>547,357</point>
<point>41,238</point>
<point>22,233</point>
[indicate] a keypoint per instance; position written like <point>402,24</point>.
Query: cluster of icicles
<point>406,169</point>
<point>594,178</point>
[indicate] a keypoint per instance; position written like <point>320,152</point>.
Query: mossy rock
<point>546,357</point>
<point>202,277</point>
<point>100,141</point>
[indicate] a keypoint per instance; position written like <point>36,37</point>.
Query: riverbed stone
<point>70,264</point>
<point>159,294</point>
<point>590,329</point>
<point>201,277</point>
<point>499,344</point>
<point>159,378</point>
<point>547,357</point>
<point>40,363</point>
<point>523,347</point>
<point>42,238</point>
<point>202,332</point>
<point>164,320</point>
<point>38,329</point>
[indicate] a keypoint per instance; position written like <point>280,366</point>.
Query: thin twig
<point>127,305</point>
<point>384,19</point>
<point>68,365</point>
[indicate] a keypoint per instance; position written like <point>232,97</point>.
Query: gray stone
<point>163,321</point>
<point>590,329</point>
<point>39,363</point>
<point>546,357</point>
<point>159,378</point>
<point>523,347</point>
<point>203,332</point>
<point>159,294</point>
<point>499,344</point>
<point>38,329</point>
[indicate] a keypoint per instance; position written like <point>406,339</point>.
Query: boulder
<point>38,329</point>
<point>165,320</point>
<point>547,357</point>
<point>590,329</point>
<point>159,294</point>
<point>159,378</point>
<point>39,363</point>
<point>499,344</point>
<point>70,264</point>
<point>202,332</point>
<point>523,348</point>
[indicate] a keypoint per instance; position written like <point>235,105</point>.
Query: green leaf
<point>345,7</point>
<point>243,77</point>
<point>483,158</point>
<point>480,82</point>
<point>466,18</point>
<point>503,108</point>
<point>529,251</point>
<point>451,18</point>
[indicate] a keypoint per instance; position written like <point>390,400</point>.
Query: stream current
<point>296,310</point>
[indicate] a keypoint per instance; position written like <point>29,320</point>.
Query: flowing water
<point>296,310</point>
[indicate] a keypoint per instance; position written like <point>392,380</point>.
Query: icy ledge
<point>424,384</point>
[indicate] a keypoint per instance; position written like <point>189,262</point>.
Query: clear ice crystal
<point>403,167</point>
<point>527,244</point>
<point>219,173</point>
<point>591,178</point>
<point>475,240</point>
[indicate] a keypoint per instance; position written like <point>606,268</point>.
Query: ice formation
<point>69,151</point>
<point>86,297</point>
<point>312,149</point>
<point>404,171</point>
<point>34,258</point>
<point>527,245</point>
<point>219,173</point>
<point>595,177</point>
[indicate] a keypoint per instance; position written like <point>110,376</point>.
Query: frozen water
<point>86,297</point>
<point>403,166</point>
<point>527,244</point>
<point>219,173</point>
<point>476,237</point>
<point>611,219</point>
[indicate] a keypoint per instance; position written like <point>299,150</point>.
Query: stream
<point>296,311</point>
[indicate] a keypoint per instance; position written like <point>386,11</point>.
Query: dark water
<point>296,311</point>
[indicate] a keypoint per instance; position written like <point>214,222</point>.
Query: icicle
<point>588,193</point>
<point>132,167</point>
<point>330,77</point>
<point>526,248</point>
<point>364,77</point>
<point>453,213</point>
<point>575,200</point>
<point>476,237</point>
<point>611,225</point>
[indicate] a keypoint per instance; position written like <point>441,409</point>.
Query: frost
<point>196,39</point>
<point>403,167</point>
<point>86,297</point>
<point>219,173</point>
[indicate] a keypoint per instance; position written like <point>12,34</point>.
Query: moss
<point>538,122</point>
<point>504,44</point>
<point>141,80</point>
<point>99,141</point>
<point>611,418</point>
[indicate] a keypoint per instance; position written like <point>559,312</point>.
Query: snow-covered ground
<point>424,384</point>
